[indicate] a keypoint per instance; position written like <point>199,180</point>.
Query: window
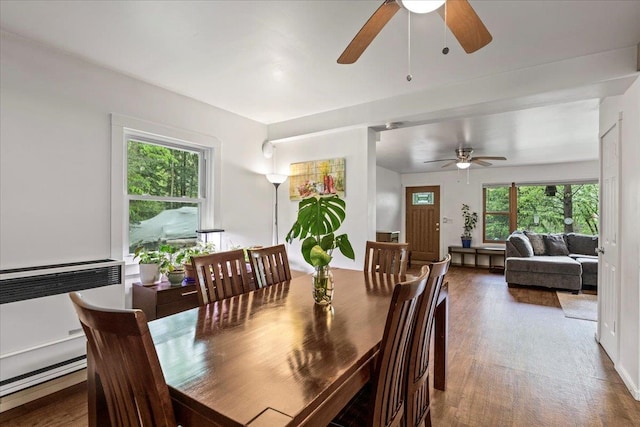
<point>420,199</point>
<point>559,208</point>
<point>542,208</point>
<point>164,192</point>
<point>164,182</point>
<point>498,221</point>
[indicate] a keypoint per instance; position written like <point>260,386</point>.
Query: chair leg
<point>427,418</point>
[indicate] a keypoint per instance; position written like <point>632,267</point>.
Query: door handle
<point>600,250</point>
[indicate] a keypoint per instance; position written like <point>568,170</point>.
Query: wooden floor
<point>514,360</point>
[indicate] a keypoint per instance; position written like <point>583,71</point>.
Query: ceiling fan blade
<point>465,24</point>
<point>369,31</point>
<point>441,160</point>
<point>479,162</point>
<point>491,158</point>
<point>452,162</point>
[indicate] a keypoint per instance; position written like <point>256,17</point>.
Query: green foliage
<point>159,171</point>
<point>497,199</point>
<point>470,220</point>
<point>542,213</point>
<point>184,255</point>
<point>318,218</point>
<point>545,214</point>
<point>169,262</point>
<point>171,257</point>
<point>146,256</point>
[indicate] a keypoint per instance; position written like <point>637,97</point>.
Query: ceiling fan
<point>459,16</point>
<point>464,159</point>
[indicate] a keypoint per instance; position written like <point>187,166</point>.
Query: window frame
<point>125,128</point>
<point>513,202</point>
<point>511,213</point>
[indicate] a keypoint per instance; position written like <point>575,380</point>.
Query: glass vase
<point>322,285</point>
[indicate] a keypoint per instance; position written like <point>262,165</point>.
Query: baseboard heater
<point>40,335</point>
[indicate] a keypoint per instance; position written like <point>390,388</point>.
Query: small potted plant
<point>184,257</point>
<point>318,219</point>
<point>470,220</point>
<point>170,265</point>
<point>149,262</point>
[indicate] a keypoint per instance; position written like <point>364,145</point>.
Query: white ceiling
<point>274,61</point>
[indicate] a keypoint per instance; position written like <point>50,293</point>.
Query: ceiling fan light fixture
<point>463,164</point>
<point>421,6</point>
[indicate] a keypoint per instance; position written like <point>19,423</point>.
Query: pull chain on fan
<point>445,49</point>
<point>409,76</point>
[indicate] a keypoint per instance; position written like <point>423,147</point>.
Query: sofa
<point>562,261</point>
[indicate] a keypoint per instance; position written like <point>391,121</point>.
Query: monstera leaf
<point>318,218</point>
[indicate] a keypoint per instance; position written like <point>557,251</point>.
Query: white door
<point>608,277</point>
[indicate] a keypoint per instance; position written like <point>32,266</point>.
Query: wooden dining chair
<point>269,265</point>
<point>381,402</point>
<point>386,258</point>
<point>126,361</point>
<point>221,275</point>
<point>418,407</point>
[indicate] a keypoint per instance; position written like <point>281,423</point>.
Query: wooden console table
<point>476,251</point>
<point>162,299</point>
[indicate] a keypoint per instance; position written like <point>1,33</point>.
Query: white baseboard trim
<point>631,386</point>
<point>41,390</point>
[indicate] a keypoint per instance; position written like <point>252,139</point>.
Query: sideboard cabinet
<point>162,299</point>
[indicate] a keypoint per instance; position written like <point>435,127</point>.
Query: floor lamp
<point>276,180</point>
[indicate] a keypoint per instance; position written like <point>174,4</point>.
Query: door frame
<point>617,125</point>
<point>404,202</point>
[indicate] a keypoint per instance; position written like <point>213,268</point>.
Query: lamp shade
<point>421,6</point>
<point>463,165</point>
<point>276,178</point>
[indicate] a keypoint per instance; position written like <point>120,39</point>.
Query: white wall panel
<point>353,145</point>
<point>55,155</point>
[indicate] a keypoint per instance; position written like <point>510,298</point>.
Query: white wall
<point>55,155</point>
<point>628,364</point>
<point>388,200</point>
<point>454,190</point>
<point>357,146</point>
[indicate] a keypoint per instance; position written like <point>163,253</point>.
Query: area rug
<point>581,306</point>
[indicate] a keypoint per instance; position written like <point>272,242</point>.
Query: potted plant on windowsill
<point>470,220</point>
<point>318,219</point>
<point>149,262</point>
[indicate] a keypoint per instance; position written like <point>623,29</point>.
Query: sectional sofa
<point>562,261</point>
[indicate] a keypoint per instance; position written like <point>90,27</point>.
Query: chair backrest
<point>417,408</point>
<point>127,363</point>
<point>221,275</point>
<point>389,382</point>
<point>386,258</point>
<point>269,265</point>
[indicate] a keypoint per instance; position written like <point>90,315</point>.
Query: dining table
<point>272,357</point>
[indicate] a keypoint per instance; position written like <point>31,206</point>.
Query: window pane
<point>558,208</point>
<point>161,171</point>
<point>152,223</point>
<point>425,198</point>
<point>496,227</point>
<point>497,199</point>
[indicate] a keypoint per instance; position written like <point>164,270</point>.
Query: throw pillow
<point>521,243</point>
<point>582,244</point>
<point>537,243</point>
<point>555,244</point>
